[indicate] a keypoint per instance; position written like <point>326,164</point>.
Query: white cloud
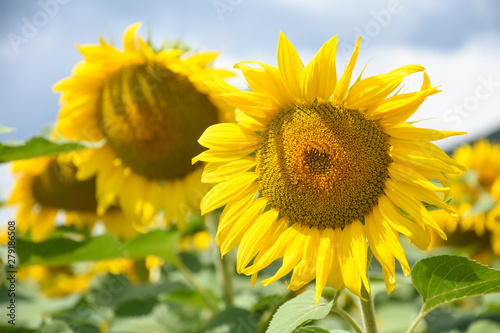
<point>466,103</point>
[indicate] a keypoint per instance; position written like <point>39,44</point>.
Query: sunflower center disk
<point>152,118</point>
<point>323,165</point>
<point>58,188</point>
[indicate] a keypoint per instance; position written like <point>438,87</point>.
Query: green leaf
<point>136,307</point>
<point>159,243</point>
<point>60,251</point>
<point>314,329</point>
<point>189,297</point>
<point>297,311</point>
<point>233,320</point>
<point>444,279</point>
<point>37,146</point>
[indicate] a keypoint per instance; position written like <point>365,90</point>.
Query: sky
<point>457,41</point>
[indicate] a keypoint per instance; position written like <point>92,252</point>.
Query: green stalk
<point>367,307</point>
<point>190,277</point>
<point>415,322</point>
<point>222,265</point>
<point>227,278</point>
<point>348,318</point>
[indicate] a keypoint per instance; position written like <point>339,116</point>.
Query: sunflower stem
<point>227,278</point>
<point>367,307</point>
<point>415,322</point>
<point>337,294</point>
<point>223,265</point>
<point>190,277</point>
<point>368,311</point>
<point>347,317</point>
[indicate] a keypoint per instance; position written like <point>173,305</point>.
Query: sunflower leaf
<point>315,329</point>
<point>61,251</point>
<point>232,319</point>
<point>158,242</point>
<point>35,147</point>
<point>297,311</point>
<point>445,279</point>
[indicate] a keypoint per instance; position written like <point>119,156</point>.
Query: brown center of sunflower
<point>152,118</point>
<point>322,165</point>
<point>58,188</point>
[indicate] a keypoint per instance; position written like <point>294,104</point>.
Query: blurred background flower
<point>149,106</point>
<point>46,186</point>
<point>475,196</point>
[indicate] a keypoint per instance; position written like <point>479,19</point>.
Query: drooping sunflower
<point>150,107</point>
<point>313,169</point>
<point>475,197</point>
<point>45,186</point>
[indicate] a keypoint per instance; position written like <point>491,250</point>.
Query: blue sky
<point>457,41</point>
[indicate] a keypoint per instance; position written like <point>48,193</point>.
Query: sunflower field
<point>174,192</point>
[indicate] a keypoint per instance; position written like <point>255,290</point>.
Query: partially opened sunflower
<point>46,186</point>
<point>315,167</point>
<point>475,197</point>
<point>150,107</point>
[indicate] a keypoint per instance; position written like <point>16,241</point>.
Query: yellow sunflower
<point>150,107</point>
<point>313,169</point>
<point>44,186</point>
<point>475,197</point>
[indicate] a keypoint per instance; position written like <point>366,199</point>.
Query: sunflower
<point>149,106</point>
<point>44,186</point>
<point>475,197</point>
<point>313,169</point>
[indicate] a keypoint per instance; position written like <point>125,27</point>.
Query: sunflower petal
<point>223,171</point>
<point>319,78</point>
<point>417,234</point>
<point>353,260</point>
<point>228,137</point>
<point>324,260</point>
<point>129,37</point>
<point>411,206</point>
<point>264,227</point>
<point>274,85</point>
<point>342,86</point>
<point>290,65</point>
<point>409,132</point>
<point>221,193</point>
<point>291,257</point>
<point>305,271</point>
<point>375,89</point>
